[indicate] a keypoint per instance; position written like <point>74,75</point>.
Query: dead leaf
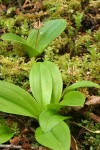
<point>94,100</point>
<point>27,3</point>
<point>73,143</point>
<point>15,140</point>
<point>26,146</point>
<point>94,117</point>
<point>2,8</point>
<point>37,6</point>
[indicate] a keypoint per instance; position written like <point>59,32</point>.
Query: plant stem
<point>14,146</point>
<point>97,131</point>
<point>37,38</point>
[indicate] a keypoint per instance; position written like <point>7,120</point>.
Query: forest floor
<point>77,53</point>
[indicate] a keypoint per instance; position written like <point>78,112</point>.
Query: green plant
<point>78,20</point>
<point>39,38</point>
<point>6,1</point>
<point>46,86</point>
<point>92,141</point>
<point>93,51</point>
<point>6,132</point>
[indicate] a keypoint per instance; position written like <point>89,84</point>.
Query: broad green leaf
<point>5,133</point>
<point>81,84</point>
<point>31,52</point>
<point>32,38</point>
<point>49,119</point>
<point>56,82</point>
<point>16,100</point>
<point>13,38</point>
<point>73,98</point>
<point>41,83</point>
<point>55,107</point>
<point>56,139</point>
<point>39,40</point>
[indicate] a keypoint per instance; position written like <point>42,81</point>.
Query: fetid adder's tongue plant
<point>39,38</point>
<point>46,86</point>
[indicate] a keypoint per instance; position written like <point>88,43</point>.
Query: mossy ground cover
<point>76,51</point>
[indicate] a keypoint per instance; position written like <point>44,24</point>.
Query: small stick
<point>14,146</point>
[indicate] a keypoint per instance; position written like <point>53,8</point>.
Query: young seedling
<point>78,20</point>
<point>5,133</point>
<point>39,38</point>
<point>46,86</point>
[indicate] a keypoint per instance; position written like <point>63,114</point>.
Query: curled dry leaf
<point>26,3</point>
<point>94,117</point>
<point>26,146</point>
<point>2,8</point>
<point>94,100</point>
<point>15,140</point>
<point>73,143</point>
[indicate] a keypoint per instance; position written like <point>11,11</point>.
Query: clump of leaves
<point>40,37</point>
<point>46,86</point>
<point>6,131</point>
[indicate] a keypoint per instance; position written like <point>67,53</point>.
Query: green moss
<point>91,140</point>
<point>15,70</point>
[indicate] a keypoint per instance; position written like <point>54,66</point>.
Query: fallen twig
<point>97,131</point>
<point>94,117</point>
<point>15,146</point>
